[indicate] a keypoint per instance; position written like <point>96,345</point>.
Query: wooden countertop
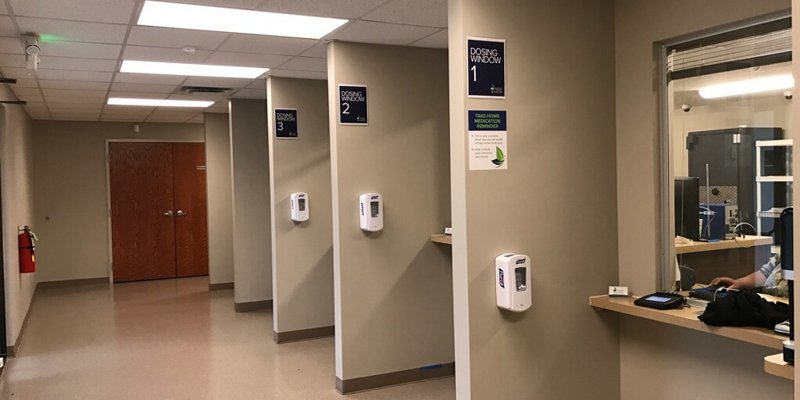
<point>748,241</point>
<point>442,238</point>
<point>687,318</point>
<point>774,365</point>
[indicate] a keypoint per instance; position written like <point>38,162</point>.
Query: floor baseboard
<point>348,386</point>
<point>252,306</point>
<point>220,286</point>
<point>71,283</point>
<point>303,334</point>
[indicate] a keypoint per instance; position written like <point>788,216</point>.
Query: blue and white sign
<point>486,68</point>
<point>488,140</point>
<point>352,104</point>
<point>286,123</point>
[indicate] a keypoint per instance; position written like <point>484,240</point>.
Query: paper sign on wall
<point>488,144</point>
<point>486,68</point>
<point>286,123</point>
<point>352,104</point>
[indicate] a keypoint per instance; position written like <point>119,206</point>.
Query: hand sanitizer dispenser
<point>513,281</point>
<point>371,211</point>
<point>299,203</point>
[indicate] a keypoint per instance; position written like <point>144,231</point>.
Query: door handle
<point>181,213</point>
<point>169,213</point>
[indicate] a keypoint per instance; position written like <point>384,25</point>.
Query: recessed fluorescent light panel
<point>750,86</point>
<point>120,101</point>
<point>218,71</point>
<point>189,16</point>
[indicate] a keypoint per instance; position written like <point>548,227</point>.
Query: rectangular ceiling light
<point>121,101</point>
<point>750,86</point>
<point>189,16</point>
<point>217,71</point>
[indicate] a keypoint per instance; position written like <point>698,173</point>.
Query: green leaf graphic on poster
<point>501,158</point>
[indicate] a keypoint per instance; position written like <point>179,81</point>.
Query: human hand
<point>724,281</point>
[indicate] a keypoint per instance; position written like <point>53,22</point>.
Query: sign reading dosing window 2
<point>352,104</point>
<point>286,123</point>
<point>486,65</point>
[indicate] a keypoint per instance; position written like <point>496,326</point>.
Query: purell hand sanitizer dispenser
<point>299,203</point>
<point>371,211</point>
<point>513,281</point>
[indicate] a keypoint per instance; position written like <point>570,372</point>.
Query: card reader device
<point>299,206</point>
<point>661,301</point>
<point>371,211</point>
<point>513,281</point>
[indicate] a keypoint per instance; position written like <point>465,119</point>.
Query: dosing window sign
<point>286,123</point>
<point>486,68</point>
<point>352,104</point>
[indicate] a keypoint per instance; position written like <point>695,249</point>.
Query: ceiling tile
<point>124,111</point>
<point>160,115</point>
<point>12,60</point>
<point>164,54</point>
<point>11,45</point>
<point>74,85</point>
<point>149,79</point>
<point>164,37</point>
<point>75,116</point>
<point>437,41</point>
<point>381,33</point>
<point>307,64</point>
<point>23,91</point>
<point>60,74</point>
<point>320,50</point>
<point>324,8</point>
<point>266,44</point>
<point>54,100</point>
<point>258,84</point>
<point>137,95</point>
<point>3,9</point>
<point>18,73</point>
<point>6,26</point>
<point>217,82</point>
<point>27,83</point>
<point>246,59</point>
<point>39,116</point>
<point>73,31</point>
<point>31,98</point>
<point>142,88</point>
<point>114,11</point>
<point>412,12</point>
<point>197,119</point>
<point>74,108</point>
<point>39,108</point>
<point>250,94</point>
<point>77,64</point>
<point>218,107</point>
<point>299,74</point>
<point>243,4</point>
<point>67,92</point>
<point>121,118</point>
<point>80,50</point>
<point>199,96</point>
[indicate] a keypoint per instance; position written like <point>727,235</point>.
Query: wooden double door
<point>158,210</point>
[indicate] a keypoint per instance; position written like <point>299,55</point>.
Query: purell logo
<point>501,278</point>
<point>373,198</point>
<point>520,261</point>
<point>362,208</point>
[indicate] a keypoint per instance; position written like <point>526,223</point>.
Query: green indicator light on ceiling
<point>49,38</point>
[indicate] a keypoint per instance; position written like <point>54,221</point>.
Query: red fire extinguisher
<point>27,251</point>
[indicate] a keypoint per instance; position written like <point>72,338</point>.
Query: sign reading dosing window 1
<point>353,104</point>
<point>486,68</point>
<point>286,123</point>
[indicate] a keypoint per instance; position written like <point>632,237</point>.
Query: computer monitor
<point>687,207</point>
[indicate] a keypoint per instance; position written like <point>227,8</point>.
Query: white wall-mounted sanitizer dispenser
<point>513,281</point>
<point>371,211</point>
<point>299,202</point>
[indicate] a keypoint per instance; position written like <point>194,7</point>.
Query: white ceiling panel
<point>164,54</point>
<point>142,88</point>
<point>73,85</point>
<point>299,74</point>
<point>75,116</point>
<point>258,84</point>
<point>31,83</point>
<point>437,41</point>
<point>80,50</point>
<point>307,64</point>
<point>70,93</point>
<point>31,98</point>
<point>320,50</point>
<point>412,12</point>
<point>250,94</point>
<point>217,82</point>
<point>39,108</point>
<point>266,44</point>
<point>199,96</point>
<point>246,59</point>
<point>39,116</point>
<point>23,91</point>
<point>12,60</point>
<point>122,111</point>
<point>121,118</point>
<point>114,11</point>
<point>53,100</point>
<point>77,64</point>
<point>381,33</point>
<point>218,107</point>
<point>3,9</point>
<point>197,119</point>
<point>69,108</point>
<point>73,31</point>
<point>243,4</point>
<point>60,74</point>
<point>18,73</point>
<point>149,79</point>
<point>6,26</point>
<point>179,38</point>
<point>137,95</point>
<point>160,115</point>
<point>325,8</point>
<point>11,45</point>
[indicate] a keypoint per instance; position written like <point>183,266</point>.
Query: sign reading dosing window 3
<point>286,123</point>
<point>353,104</point>
<point>486,65</point>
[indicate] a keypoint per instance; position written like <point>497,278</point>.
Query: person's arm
<point>752,281</point>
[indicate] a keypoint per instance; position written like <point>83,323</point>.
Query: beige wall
<point>252,245</point>
<point>70,189</point>
<point>220,208</point>
<point>393,291</point>
<point>555,203</point>
<point>638,25</point>
<point>302,253</point>
<point>16,160</point>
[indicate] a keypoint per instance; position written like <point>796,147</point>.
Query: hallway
<point>170,339</point>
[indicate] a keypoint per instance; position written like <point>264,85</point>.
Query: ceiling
<point>88,39</point>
